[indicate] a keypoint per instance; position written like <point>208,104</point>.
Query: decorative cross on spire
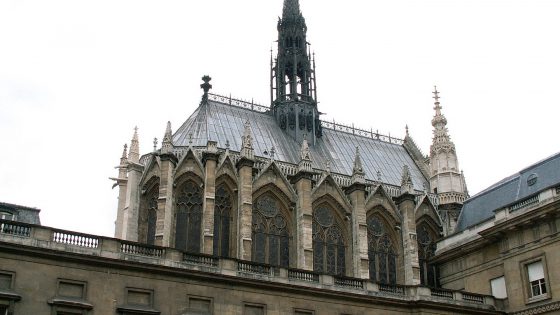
<point>272,152</point>
<point>436,94</point>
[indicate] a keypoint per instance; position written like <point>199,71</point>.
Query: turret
<point>446,179</point>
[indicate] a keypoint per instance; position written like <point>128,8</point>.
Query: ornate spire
<point>358,175</point>
<point>247,142</point>
<point>406,182</point>
<point>291,9</point>
<point>134,154</point>
<point>441,137</point>
<point>124,154</point>
<point>166,144</point>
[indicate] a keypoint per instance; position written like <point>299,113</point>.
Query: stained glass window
<point>329,247</point>
<point>189,218</point>
<point>381,252</point>
<point>271,237</point>
<point>426,249</point>
<point>222,220</point>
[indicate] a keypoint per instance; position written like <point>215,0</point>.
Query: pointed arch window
<point>152,216</point>
<point>329,246</point>
<point>271,236</point>
<point>426,250</point>
<point>189,217</point>
<point>381,252</point>
<point>222,220</point>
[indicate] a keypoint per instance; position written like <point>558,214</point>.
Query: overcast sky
<point>77,76</point>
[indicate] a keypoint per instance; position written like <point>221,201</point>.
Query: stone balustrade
<point>99,246</point>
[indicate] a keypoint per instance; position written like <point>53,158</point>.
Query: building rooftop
<point>511,190</point>
<point>222,119</point>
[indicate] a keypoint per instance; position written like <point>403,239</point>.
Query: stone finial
<point>124,155</point>
<point>134,154</point>
<point>407,134</point>
<point>247,142</point>
<point>305,157</point>
<point>379,176</point>
<point>206,86</point>
<point>167,144</point>
<point>358,174</point>
<point>406,182</point>
<point>155,144</point>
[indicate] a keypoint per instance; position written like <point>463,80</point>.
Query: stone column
<point>245,210</point>
<point>406,204</point>
<point>360,259</point>
<point>132,208</point>
<point>209,158</point>
<point>303,224</point>
<point>164,224</point>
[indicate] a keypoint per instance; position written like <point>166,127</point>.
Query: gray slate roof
<point>222,122</point>
<point>23,214</point>
<point>510,190</point>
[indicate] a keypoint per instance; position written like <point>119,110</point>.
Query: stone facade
<point>514,253</point>
<point>51,271</point>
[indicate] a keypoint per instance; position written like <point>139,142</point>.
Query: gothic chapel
<point>278,186</point>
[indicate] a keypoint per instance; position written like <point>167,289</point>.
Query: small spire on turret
<point>358,174</point>
<point>247,142</point>
<point>406,131</point>
<point>124,155</point>
<point>166,144</point>
<point>406,182</point>
<point>134,154</point>
<point>305,157</point>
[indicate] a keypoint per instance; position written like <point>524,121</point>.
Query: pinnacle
<point>358,168</point>
<point>406,181</point>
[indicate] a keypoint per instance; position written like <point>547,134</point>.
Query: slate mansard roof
<point>220,121</point>
<point>509,191</point>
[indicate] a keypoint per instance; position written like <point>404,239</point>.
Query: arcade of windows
<point>272,234</point>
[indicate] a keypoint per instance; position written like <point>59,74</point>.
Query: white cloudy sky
<point>77,76</point>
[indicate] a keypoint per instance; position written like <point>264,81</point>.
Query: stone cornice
<point>243,161</point>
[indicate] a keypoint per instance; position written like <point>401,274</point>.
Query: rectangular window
<point>499,287</point>
<point>303,312</point>
<point>3,310</point>
<point>72,289</point>
<point>254,309</point>
<point>138,297</point>
<point>5,281</point>
<point>535,273</point>
<point>199,305</point>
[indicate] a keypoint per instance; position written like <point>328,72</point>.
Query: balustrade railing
<point>76,239</point>
<point>348,282</point>
<point>391,288</point>
<point>14,228</point>
<point>201,260</point>
<point>525,203</point>
<point>141,249</point>
<point>255,268</point>
<point>448,294</point>
<point>302,275</point>
<point>475,298</point>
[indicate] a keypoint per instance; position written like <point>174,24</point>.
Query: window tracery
<point>222,220</point>
<point>381,252</point>
<point>426,249</point>
<point>271,237</point>
<point>329,247</point>
<point>189,217</point>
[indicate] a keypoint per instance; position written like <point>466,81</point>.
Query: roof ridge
<point>350,129</point>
